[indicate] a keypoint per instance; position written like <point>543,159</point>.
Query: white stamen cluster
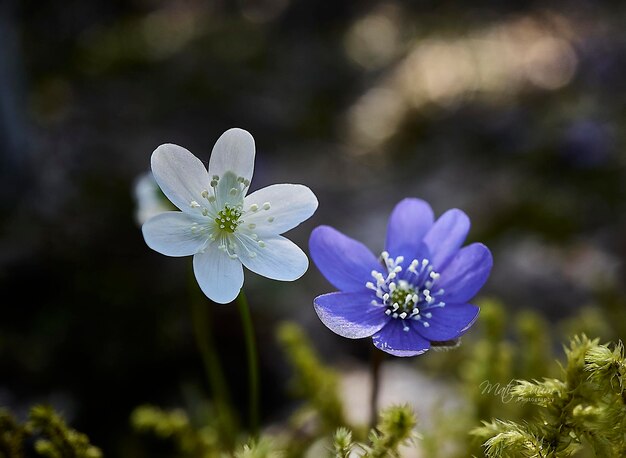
<point>224,220</point>
<point>409,297</point>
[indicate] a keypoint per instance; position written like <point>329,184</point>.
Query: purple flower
<point>416,293</point>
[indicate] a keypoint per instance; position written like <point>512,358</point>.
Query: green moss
<point>584,409</point>
<point>51,435</point>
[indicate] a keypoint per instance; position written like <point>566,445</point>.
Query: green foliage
<point>535,343</point>
<point>541,393</point>
<point>12,436</point>
<point>394,429</point>
<point>606,365</point>
<point>195,441</point>
<point>57,440</point>
<point>490,360</point>
<point>53,438</point>
<point>510,439</point>
<point>318,385</point>
<point>342,442</point>
<point>506,371</point>
<point>313,381</point>
<point>175,425</point>
<point>586,408</point>
<point>262,448</point>
<point>581,412</point>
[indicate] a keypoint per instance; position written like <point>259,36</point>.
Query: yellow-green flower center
<point>404,295</point>
<point>228,218</point>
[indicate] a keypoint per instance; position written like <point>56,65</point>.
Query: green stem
<point>375,361</point>
<point>253,362</point>
<point>201,322</point>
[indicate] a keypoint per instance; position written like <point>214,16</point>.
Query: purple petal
<point>350,315</point>
<point>408,223</point>
<point>466,274</point>
<point>446,236</point>
<point>345,263</point>
<point>448,322</point>
<point>394,340</point>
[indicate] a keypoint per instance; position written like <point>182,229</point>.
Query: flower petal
<point>229,191</point>
<point>170,234</point>
<point>446,236</point>
<point>350,315</point>
<point>394,340</point>
<point>290,204</point>
<point>466,273</point>
<point>180,175</point>
<point>279,259</point>
<point>345,263</point>
<point>233,152</point>
<point>448,322</point>
<point>219,276</point>
<point>149,199</point>
<point>408,223</point>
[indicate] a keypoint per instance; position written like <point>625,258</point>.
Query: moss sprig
<point>175,425</point>
<point>56,439</point>
<point>394,429</point>
<point>584,409</point>
<point>262,448</point>
<point>12,436</point>
<point>342,443</point>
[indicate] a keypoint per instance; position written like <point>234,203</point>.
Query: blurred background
<point>511,111</point>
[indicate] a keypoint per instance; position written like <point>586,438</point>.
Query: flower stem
<point>253,362</point>
<point>376,359</point>
<point>201,322</point>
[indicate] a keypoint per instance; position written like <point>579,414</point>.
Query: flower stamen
<point>407,293</point>
<point>228,218</point>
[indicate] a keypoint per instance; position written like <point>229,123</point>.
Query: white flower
<point>149,199</point>
<point>219,225</point>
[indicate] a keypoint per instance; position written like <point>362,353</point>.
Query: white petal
<point>229,191</point>
<point>180,175</point>
<point>290,204</point>
<point>219,276</point>
<point>279,259</point>
<point>233,152</point>
<point>149,200</point>
<point>170,234</point>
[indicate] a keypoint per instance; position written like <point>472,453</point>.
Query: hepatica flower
<point>219,225</point>
<point>149,199</point>
<point>416,294</point>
